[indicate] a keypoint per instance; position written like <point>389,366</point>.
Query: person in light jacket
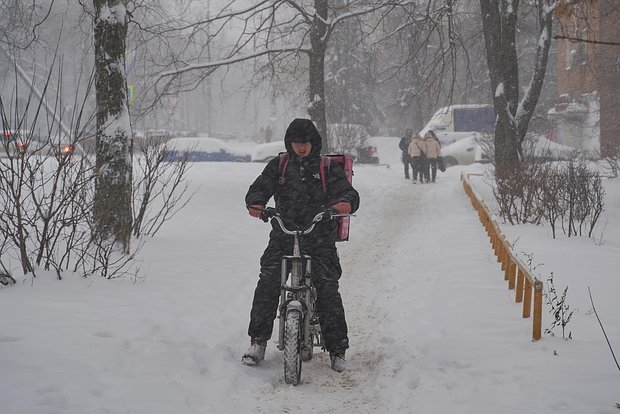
<point>418,154</point>
<point>433,151</point>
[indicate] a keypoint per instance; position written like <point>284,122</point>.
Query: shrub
<point>558,308</point>
<point>46,194</point>
<point>567,195</point>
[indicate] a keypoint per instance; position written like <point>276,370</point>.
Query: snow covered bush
<point>567,195</point>
<point>346,138</point>
<point>47,193</point>
<point>518,190</point>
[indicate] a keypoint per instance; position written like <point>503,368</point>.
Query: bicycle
<point>299,325</point>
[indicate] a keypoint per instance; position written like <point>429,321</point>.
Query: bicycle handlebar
<point>327,214</point>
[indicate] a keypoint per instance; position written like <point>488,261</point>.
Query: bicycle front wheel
<point>292,347</point>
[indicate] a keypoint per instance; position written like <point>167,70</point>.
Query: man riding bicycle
<point>299,194</point>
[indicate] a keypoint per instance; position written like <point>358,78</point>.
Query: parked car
<point>204,149</point>
<point>65,150</point>
<point>12,145</point>
<point>455,122</point>
<point>540,149</point>
<point>463,152</point>
<point>366,155</point>
<point>22,143</point>
<point>535,148</point>
<point>18,143</point>
<point>266,152</point>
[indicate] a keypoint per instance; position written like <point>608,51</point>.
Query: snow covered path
<point>433,327</point>
<point>405,265</point>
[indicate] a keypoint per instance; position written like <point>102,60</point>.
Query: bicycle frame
<point>299,293</point>
<point>299,326</point>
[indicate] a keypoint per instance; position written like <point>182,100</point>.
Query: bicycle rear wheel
<point>292,347</point>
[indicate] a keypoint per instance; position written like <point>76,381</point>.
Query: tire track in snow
<point>395,229</point>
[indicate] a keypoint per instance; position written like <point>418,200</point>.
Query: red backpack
<point>346,162</point>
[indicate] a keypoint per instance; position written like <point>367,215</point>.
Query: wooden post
<point>500,245</point>
<point>537,323</point>
<point>527,298</point>
<point>510,269</point>
<point>519,292</point>
<point>504,257</point>
<point>510,265</point>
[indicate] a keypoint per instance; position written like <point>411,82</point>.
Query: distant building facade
<point>587,109</point>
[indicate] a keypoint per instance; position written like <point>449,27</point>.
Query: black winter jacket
<point>404,145</point>
<point>299,194</point>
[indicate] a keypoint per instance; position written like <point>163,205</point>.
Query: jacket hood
<point>303,128</point>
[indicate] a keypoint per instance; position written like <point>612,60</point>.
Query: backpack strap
<point>322,163</point>
<point>284,159</point>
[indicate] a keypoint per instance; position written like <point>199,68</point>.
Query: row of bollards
<point>515,273</point>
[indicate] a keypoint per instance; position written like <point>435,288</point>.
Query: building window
<point>582,49</point>
<point>581,54</point>
<point>570,54</point>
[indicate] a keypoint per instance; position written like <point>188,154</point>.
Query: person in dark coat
<point>268,134</point>
<point>299,195</point>
<point>404,147</point>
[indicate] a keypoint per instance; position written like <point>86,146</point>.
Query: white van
<point>455,122</point>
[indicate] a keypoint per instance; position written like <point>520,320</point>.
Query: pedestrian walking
<point>433,152</point>
<point>404,147</point>
<point>416,151</point>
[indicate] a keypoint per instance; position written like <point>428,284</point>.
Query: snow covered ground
<point>433,327</point>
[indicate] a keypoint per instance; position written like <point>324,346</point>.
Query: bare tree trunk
<point>316,91</point>
<point>530,100</point>
<point>499,34</point>
<point>499,21</point>
<point>112,208</point>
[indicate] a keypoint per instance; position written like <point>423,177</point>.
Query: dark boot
<point>338,363</point>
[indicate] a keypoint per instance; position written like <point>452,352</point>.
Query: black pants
<point>406,163</point>
<point>326,271</point>
<point>424,169</point>
<point>417,168</point>
<point>433,165</point>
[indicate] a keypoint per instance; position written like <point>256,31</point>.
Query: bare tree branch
<point>603,329</point>
<point>581,40</point>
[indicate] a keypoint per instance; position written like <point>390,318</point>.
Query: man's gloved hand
<point>342,207</point>
<point>256,210</point>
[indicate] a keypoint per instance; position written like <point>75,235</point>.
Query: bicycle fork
<point>296,295</point>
